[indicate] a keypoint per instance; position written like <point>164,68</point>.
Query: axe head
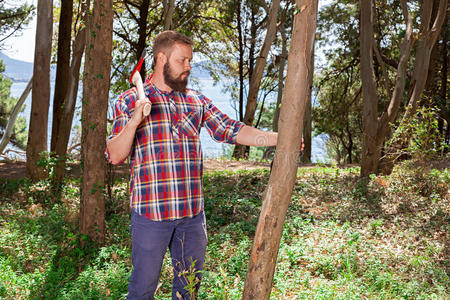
<point>138,66</point>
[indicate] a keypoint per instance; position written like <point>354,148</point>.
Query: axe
<point>136,79</point>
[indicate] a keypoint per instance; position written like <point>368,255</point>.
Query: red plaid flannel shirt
<point>166,157</point>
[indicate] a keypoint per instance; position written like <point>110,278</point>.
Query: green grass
<point>343,238</point>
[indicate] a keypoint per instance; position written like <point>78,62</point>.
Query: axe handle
<point>140,91</point>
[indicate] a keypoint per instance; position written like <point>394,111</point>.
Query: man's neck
<point>158,81</point>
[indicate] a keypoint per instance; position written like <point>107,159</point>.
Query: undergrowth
<point>344,238</point>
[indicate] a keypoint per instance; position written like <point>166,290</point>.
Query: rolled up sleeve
<point>220,127</point>
<point>120,119</point>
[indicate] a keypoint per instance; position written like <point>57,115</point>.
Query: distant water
<point>211,149</point>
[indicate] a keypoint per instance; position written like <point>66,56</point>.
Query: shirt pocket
<point>190,123</point>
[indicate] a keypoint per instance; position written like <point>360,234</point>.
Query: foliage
<point>7,103</point>
<point>343,238</point>
<point>338,84</point>
<point>418,137</point>
<point>189,19</point>
<point>13,18</point>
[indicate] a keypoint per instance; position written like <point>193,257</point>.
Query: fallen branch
<point>12,120</point>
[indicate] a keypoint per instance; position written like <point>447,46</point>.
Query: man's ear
<point>162,57</point>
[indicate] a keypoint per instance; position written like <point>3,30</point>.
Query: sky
<point>22,47</point>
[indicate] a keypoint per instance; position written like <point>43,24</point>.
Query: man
<point>166,165</point>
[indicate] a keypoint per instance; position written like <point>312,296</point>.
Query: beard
<point>176,83</point>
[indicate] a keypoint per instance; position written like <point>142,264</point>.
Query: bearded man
<point>166,194</point>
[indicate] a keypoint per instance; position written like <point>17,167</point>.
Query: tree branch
<point>383,69</point>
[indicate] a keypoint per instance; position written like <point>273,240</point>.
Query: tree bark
<point>430,30</point>
<point>241,61</point>
<point>95,102</point>
<point>282,63</point>
<point>370,153</point>
<point>258,283</point>
<point>143,14</point>
<point>283,57</point>
<point>257,73</point>
<point>62,68</point>
<point>307,125</point>
<point>169,7</point>
<point>37,134</point>
<point>443,90</point>
<point>374,129</point>
<point>70,100</point>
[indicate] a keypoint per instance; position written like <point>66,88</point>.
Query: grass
<point>386,238</point>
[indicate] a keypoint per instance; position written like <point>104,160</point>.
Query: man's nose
<point>187,66</point>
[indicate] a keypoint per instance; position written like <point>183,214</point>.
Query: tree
<point>432,16</point>
<point>281,62</point>
<point>169,7</point>
<point>62,67</point>
<point>13,19</point>
<point>258,283</point>
<point>257,74</point>
<point>37,133</point>
<point>70,97</point>
<point>11,132</point>
<point>339,111</point>
<point>376,129</point>
<point>96,83</point>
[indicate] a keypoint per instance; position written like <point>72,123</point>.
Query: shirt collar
<point>153,89</point>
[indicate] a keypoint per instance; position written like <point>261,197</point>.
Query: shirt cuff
<point>237,128</point>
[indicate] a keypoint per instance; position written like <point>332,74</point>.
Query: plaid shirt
<point>166,157</point>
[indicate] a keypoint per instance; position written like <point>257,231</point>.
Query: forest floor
<point>10,169</point>
<point>343,238</point>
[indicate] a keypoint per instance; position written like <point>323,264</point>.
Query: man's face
<point>178,66</point>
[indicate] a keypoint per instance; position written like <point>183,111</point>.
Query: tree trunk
<point>169,7</point>
<point>143,14</point>
<point>282,63</point>
<point>241,62</point>
<point>307,125</point>
<point>374,129</point>
<point>62,68</point>
<point>443,90</point>
<point>257,74</point>
<point>70,100</point>
<point>307,134</point>
<point>37,133</point>
<point>95,102</point>
<point>12,119</point>
<point>283,57</point>
<point>258,283</point>
<point>370,153</point>
<point>430,30</point>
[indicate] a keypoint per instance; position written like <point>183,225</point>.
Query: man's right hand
<point>138,115</point>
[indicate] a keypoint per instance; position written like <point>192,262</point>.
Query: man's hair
<point>166,39</point>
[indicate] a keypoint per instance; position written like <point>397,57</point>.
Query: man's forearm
<point>119,146</point>
<point>251,136</point>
